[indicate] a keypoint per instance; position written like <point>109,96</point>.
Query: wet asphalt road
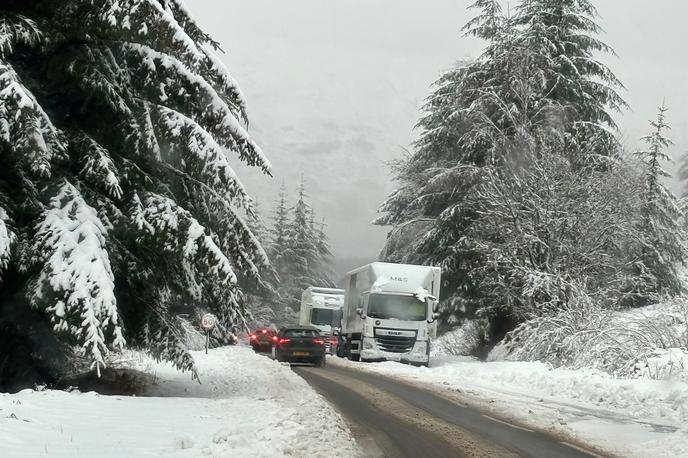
<point>390,418</point>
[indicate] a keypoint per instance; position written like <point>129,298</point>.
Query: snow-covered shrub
<point>648,342</point>
<point>462,341</point>
<point>669,363</point>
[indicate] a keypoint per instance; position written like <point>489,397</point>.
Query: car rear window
<point>301,333</point>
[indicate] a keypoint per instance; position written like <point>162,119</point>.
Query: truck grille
<point>395,344</point>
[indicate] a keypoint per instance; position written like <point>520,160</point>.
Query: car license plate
<point>301,353</point>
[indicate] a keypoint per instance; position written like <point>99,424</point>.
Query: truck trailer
<point>321,308</point>
<point>390,313</point>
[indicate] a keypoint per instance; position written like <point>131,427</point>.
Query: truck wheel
<point>354,357</point>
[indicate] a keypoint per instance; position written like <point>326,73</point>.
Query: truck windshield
<point>407,308</point>
<point>321,317</point>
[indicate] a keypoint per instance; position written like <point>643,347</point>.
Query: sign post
<point>207,323</point>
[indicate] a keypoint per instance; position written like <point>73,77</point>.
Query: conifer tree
<point>257,225</point>
<point>278,235</point>
<point>489,23</point>
<point>324,258</point>
<point>118,203</point>
<point>663,249</point>
<point>561,37</point>
<point>536,84</point>
<point>262,298</point>
<point>300,253</point>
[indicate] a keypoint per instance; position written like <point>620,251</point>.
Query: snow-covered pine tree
<point>278,233</point>
<point>300,252</point>
<point>489,24</point>
<point>257,225</point>
<point>440,172</point>
<point>117,200</point>
<point>663,250</point>
<point>324,259</point>
<point>261,292</point>
<point>505,108</point>
<point>561,39</point>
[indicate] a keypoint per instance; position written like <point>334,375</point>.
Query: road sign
<point>208,321</point>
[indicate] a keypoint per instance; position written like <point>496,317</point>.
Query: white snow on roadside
<point>246,406</point>
<point>638,417</point>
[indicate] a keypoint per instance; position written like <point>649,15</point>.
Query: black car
<point>300,344</point>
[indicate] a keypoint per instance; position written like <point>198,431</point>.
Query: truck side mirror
<point>359,312</point>
<point>335,332</point>
<point>434,317</point>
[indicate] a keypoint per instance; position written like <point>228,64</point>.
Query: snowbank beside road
<point>246,406</point>
<point>629,417</point>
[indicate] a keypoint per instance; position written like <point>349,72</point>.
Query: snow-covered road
<point>246,406</point>
<point>639,418</point>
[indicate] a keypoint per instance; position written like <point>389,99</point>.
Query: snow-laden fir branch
<point>7,238</point>
<point>76,284</point>
<point>24,126</point>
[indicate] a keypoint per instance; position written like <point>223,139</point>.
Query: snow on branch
<point>142,19</point>
<point>98,167</point>
<point>232,233</point>
<point>17,29</point>
<point>183,17</point>
<point>215,71</point>
<point>7,238</point>
<point>76,283</point>
<point>198,153</point>
<point>95,69</point>
<point>25,126</point>
<point>181,233</point>
<point>168,25</point>
<point>187,92</point>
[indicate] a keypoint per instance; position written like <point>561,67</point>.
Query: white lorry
<point>389,313</point>
<point>321,308</point>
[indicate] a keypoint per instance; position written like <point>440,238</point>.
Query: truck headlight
<point>420,347</point>
<point>368,344</point>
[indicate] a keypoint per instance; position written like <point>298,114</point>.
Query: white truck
<point>321,308</point>
<point>390,313</point>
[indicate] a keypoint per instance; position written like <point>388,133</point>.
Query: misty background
<point>334,90</point>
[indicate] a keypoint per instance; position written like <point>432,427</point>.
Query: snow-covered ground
<point>640,417</point>
<point>246,406</point>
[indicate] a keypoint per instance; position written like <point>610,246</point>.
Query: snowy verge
<point>246,406</point>
<point>637,417</point>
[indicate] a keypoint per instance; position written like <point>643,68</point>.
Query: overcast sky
<point>334,88</point>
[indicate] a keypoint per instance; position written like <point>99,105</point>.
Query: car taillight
<point>274,338</point>
<point>252,337</point>
<point>319,341</point>
<point>264,331</point>
<point>283,341</point>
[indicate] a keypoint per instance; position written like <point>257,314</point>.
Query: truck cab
<point>389,312</point>
<point>321,309</point>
